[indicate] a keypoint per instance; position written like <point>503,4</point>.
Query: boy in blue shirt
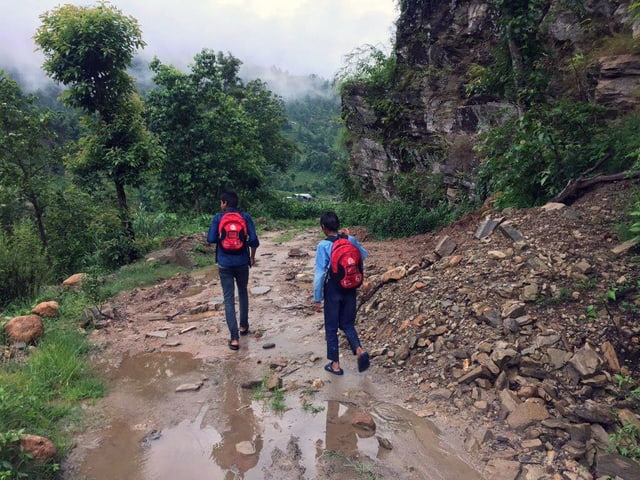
<point>233,267</point>
<point>339,304</point>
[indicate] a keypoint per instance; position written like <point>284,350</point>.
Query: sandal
<point>244,332</point>
<point>330,369</point>
<point>363,361</point>
<point>232,346</point>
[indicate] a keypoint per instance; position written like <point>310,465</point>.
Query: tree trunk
<point>575,188</point>
<point>125,218</point>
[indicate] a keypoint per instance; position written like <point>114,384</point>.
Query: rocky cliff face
<point>425,123</point>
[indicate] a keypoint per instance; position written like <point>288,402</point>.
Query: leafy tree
<point>217,132</point>
<point>315,128</point>
<point>27,156</point>
<point>89,49</point>
<point>269,114</point>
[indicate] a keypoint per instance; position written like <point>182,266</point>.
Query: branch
<point>573,189</point>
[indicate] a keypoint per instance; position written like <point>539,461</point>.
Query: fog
<point>284,42</point>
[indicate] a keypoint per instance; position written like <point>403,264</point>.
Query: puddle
<point>221,432</point>
<point>192,291</point>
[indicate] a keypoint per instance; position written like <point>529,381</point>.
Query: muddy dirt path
<point>180,406</point>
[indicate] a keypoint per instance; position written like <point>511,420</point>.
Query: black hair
<point>330,221</point>
<point>230,197</point>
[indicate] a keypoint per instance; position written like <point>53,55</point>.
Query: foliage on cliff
<point>506,98</point>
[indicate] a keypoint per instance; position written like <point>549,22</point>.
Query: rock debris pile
<point>523,325</point>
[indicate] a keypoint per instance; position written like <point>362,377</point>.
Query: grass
<point>311,408</point>
<point>43,387</point>
<point>274,398</point>
<point>626,441</point>
<point>41,394</point>
<point>362,471</point>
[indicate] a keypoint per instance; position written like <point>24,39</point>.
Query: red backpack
<point>233,233</point>
<point>345,266</point>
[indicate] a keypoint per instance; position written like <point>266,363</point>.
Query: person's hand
<point>318,307</point>
<point>345,231</point>
<point>252,260</point>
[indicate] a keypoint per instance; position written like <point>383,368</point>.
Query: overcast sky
<point>302,37</point>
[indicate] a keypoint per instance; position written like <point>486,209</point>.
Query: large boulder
<point>47,309</point>
<point>25,328</point>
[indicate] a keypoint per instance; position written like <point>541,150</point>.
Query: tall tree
<point>217,132</point>
<point>27,157</point>
<point>89,50</point>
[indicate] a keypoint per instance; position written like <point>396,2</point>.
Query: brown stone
<point>41,448</point>
<point>364,421</point>
<point>445,246</point>
<point>47,309</point>
<point>25,328</point>
<point>394,274</point>
<point>610,356</point>
<point>74,280</point>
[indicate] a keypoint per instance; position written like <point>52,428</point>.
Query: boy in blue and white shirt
<point>339,304</point>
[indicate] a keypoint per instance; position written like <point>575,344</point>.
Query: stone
<point>48,309</point>
<point>171,255</point>
<point>364,421</point>
<point>445,246</point>
<point>189,387</point>
<point>384,443</point>
<point>611,357</point>
<point>25,328</point>
<point>513,309</point>
<point>510,232</point>
<point>260,290</point>
<point>586,361</point>
<point>626,416</point>
<point>486,228</point>
<point>40,448</point>
<point>551,206</point>
<point>527,413</point>
<point>594,412</point>
<point>74,280</point>
<point>610,465</point>
<point>396,273</point>
<point>245,448</point>
<point>557,358</point>
<point>501,469</point>
<point>496,254</point>
<point>625,246</point>
<point>157,334</point>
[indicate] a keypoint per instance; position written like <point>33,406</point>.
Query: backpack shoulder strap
<point>333,238</point>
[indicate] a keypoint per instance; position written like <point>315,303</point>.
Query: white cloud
<point>300,36</point>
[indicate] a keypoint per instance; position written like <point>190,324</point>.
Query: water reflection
<point>340,435</point>
<point>189,440</point>
<point>239,448</point>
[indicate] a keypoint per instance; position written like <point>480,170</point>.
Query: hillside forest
<point>100,165</point>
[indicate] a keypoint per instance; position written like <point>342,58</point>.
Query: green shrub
<point>529,159</point>
<point>113,247</point>
<point>290,209</point>
<point>394,219</point>
<point>23,266</point>
<point>69,223</point>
